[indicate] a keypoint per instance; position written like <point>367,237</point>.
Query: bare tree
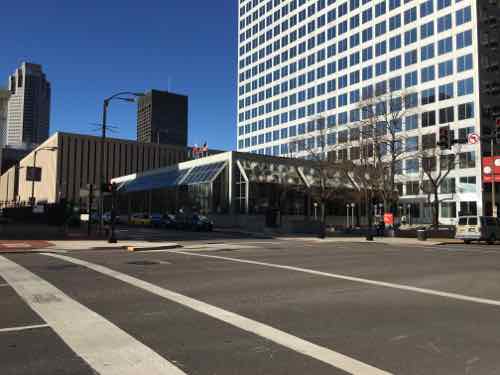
<point>323,179</point>
<point>435,165</point>
<point>382,139</point>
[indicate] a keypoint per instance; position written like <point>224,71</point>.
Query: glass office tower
<point>304,60</point>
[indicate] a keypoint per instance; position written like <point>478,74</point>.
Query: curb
<point>139,248</point>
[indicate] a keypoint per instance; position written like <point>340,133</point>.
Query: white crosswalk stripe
<point>105,347</point>
<point>287,340</point>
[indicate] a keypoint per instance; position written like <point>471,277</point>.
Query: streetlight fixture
<point>125,96</point>
<point>33,171</point>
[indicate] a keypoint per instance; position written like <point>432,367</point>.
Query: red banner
<point>491,169</point>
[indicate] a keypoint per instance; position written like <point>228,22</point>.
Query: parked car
<point>201,223</point>
<point>478,228</point>
<point>169,221</point>
<point>140,219</point>
<point>156,220</point>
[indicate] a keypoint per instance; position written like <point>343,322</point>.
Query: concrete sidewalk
<point>384,240</point>
<point>31,246</point>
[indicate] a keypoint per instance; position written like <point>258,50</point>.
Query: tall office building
<point>162,117</point>
<point>302,59</point>
<point>4,105</point>
<point>28,118</point>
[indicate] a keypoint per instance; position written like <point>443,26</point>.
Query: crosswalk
<point>109,350</point>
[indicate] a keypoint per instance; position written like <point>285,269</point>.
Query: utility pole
<point>91,198</point>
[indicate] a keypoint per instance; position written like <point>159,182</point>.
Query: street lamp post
<point>353,205</point>
<point>32,199</point>
<point>409,213</point>
<point>125,96</point>
<point>347,206</point>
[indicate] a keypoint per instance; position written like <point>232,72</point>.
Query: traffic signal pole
<point>493,190</point>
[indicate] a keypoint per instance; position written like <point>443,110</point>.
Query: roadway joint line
<point>105,347</point>
<point>409,288</point>
<point>23,328</point>
<point>275,335</point>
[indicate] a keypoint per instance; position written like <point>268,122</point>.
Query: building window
<point>427,52</point>
<point>445,45</point>
<point>445,68</point>
<point>448,186</point>
<point>467,160</point>
<point>464,39</point>
<point>428,118</point>
<point>446,115</point>
<point>465,111</point>
<point>467,184</point>
<point>411,122</point>
<point>427,30</point>
<point>412,188</point>
<point>444,23</point>
<point>448,210</point>
<point>428,96</point>
<point>468,209</point>
<point>428,141</point>
<point>427,74</point>
<point>465,87</point>
<point>446,91</point>
<point>463,15</point>
<point>464,63</point>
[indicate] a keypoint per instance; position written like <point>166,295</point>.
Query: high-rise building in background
<point>4,105</point>
<point>300,60</point>
<point>162,117</point>
<point>28,118</point>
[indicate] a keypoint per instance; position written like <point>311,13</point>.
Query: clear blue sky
<point>91,49</point>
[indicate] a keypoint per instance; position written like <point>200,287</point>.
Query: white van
<point>478,228</point>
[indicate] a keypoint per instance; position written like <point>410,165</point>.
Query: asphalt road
<point>248,306</point>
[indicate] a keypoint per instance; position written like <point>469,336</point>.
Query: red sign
<point>389,219</point>
<point>491,169</point>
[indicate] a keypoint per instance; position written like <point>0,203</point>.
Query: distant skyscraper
<point>28,116</point>
<point>4,102</point>
<point>162,117</point>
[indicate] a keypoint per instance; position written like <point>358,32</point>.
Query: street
<point>220,304</point>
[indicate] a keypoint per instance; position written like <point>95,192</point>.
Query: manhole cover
<point>61,267</point>
<point>143,263</point>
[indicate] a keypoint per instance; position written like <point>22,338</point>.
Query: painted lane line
<point>409,288</point>
<point>287,340</point>
<point>23,328</point>
<point>105,347</point>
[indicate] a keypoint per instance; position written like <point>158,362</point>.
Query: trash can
<point>422,234</point>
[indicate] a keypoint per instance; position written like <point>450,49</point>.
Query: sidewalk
<point>20,246</point>
<point>379,240</point>
<point>34,246</point>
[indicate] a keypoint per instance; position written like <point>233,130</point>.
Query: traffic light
<point>108,187</point>
<point>445,140</point>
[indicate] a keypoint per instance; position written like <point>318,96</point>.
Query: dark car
<point>201,223</point>
<point>156,220</point>
<point>170,221</point>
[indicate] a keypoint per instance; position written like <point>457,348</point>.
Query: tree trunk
<point>435,219</point>
<point>322,225</point>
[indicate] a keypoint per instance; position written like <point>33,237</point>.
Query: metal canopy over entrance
<point>173,177</point>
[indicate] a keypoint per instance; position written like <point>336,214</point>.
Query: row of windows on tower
<point>411,100</point>
<point>298,31</point>
<point>267,17</point>
<point>409,58</point>
<point>425,119</point>
<point>410,80</point>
